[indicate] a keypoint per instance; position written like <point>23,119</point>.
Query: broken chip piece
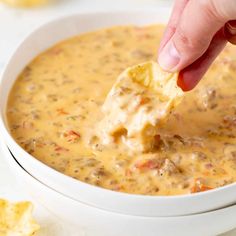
<point>16,219</point>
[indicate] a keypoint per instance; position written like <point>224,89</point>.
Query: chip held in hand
<point>138,104</point>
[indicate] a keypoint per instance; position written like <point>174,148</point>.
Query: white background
<point>14,25</point>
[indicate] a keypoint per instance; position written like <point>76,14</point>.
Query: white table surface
<point>14,25</point>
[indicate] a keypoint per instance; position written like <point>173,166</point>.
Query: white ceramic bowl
<point>91,221</point>
<point>138,205</point>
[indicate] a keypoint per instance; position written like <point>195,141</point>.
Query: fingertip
<point>182,83</point>
<point>187,81</point>
<point>169,57</point>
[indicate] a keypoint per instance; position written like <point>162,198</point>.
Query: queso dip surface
<point>55,106</point>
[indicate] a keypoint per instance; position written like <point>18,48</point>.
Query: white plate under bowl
<point>90,221</point>
<point>46,36</point>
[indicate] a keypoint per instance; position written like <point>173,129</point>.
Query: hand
<point>196,33</point>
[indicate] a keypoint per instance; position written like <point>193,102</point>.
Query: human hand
<point>196,33</point>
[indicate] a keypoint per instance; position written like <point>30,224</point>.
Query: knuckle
<point>213,10</point>
<point>172,27</point>
<point>230,32</point>
<point>182,38</point>
<point>189,43</point>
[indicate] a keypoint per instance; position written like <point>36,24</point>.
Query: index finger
<point>192,74</point>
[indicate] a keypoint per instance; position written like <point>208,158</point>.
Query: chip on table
<point>139,102</point>
<point>25,3</point>
<point>16,219</point>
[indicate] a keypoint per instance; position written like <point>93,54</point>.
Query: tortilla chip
<point>16,219</point>
<point>139,103</point>
<point>25,3</point>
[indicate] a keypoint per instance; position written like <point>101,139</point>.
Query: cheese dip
<point>55,106</point>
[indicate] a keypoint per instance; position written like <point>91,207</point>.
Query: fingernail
<point>169,57</point>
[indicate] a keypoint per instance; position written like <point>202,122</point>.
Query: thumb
<point>199,23</point>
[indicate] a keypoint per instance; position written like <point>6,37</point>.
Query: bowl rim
<point>18,150</point>
<point>17,170</point>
